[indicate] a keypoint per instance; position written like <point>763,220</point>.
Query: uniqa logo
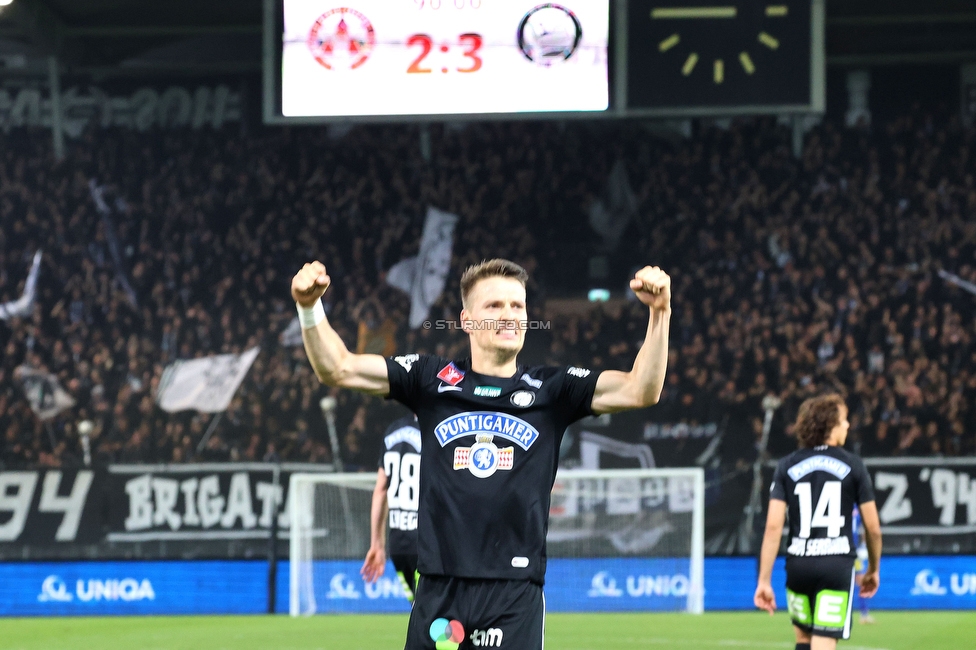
<point>604,585</point>
<point>927,584</point>
<point>963,584</point>
<point>342,587</point>
<point>54,589</point>
<point>676,585</point>
<point>128,589</point>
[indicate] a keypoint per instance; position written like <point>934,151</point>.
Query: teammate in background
<point>861,564</point>
<point>396,493</point>
<point>819,484</point>
<point>491,431</point>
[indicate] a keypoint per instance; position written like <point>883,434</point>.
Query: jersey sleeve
<point>406,378</point>
<point>777,490</point>
<point>576,389</point>
<point>864,488</point>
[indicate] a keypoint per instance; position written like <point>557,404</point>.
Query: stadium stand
<point>791,275</point>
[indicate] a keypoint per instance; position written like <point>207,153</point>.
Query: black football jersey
<point>489,458</point>
<point>400,461</point>
<point>820,487</point>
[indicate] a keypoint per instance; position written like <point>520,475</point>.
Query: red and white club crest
<point>341,39</point>
<point>449,374</point>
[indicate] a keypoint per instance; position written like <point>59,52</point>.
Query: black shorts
<point>468,613</point>
<point>406,568</point>
<point>820,593</point>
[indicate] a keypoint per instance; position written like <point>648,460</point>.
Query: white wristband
<point>310,317</point>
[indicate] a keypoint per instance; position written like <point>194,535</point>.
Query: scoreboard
<point>327,60</point>
<point>745,56</point>
<point>443,57</point>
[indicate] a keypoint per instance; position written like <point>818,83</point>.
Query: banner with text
<point>608,584</point>
<point>46,513</point>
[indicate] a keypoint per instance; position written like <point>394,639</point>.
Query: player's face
<point>839,433</point>
<point>495,315</point>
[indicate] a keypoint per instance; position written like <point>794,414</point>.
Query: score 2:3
<point>471,43</point>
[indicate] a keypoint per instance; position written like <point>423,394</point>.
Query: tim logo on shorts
<point>490,638</point>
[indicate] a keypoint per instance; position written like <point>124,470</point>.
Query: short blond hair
<point>496,268</point>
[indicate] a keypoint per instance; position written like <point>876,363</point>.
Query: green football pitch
<point>892,631</point>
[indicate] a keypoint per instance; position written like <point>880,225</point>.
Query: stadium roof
<point>116,37</point>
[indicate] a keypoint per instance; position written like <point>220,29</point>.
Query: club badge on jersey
<point>484,458</point>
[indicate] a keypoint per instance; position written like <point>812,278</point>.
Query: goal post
<point>618,540</point>
<point>329,522</point>
<point>636,521</point>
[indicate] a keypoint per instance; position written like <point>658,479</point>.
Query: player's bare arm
<point>872,532</point>
<point>332,362</point>
<point>764,597</point>
<point>621,391</point>
<point>375,562</point>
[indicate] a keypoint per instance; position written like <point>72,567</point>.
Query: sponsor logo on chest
<point>487,391</point>
<point>484,458</point>
<point>500,425</point>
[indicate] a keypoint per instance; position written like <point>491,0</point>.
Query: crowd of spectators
<point>791,275</point>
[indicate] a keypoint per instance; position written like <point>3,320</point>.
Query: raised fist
<point>309,284</point>
<point>653,287</point>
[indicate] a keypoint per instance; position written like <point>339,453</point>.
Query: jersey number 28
<point>827,514</point>
<point>404,474</point>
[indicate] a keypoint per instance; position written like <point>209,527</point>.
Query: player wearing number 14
<point>819,484</point>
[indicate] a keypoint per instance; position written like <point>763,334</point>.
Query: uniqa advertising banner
<point>608,584</point>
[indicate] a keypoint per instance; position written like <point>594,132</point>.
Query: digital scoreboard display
<point>755,56</point>
<point>347,58</point>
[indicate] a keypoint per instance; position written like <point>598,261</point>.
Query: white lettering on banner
<point>963,584</point>
<point>678,430</point>
<point>269,494</point>
<point>16,494</point>
<point>385,588</point>
<point>604,585</point>
<point>950,490</point>
<point>896,507</point>
<point>209,501</point>
<point>54,589</point>
<point>927,583</point>
<point>341,587</point>
<point>676,585</point>
<point>127,589</point>
<point>189,490</point>
<point>166,492</point>
<point>239,503</point>
<point>140,503</point>
<point>71,505</point>
<point>199,502</point>
<point>143,109</point>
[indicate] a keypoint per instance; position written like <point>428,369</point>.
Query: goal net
<point>618,540</point>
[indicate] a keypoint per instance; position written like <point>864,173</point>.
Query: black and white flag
<point>424,276</point>
<point>22,306</point>
<point>43,391</point>
<point>206,384</point>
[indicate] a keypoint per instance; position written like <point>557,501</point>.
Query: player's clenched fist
<point>653,287</point>
<point>309,284</point>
